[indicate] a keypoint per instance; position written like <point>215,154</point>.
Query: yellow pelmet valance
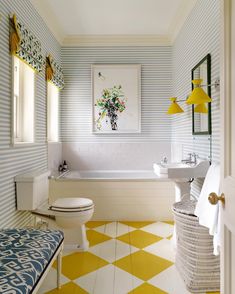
<point>25,45</point>
<point>54,72</point>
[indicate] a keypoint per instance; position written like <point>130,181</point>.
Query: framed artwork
<point>116,105</point>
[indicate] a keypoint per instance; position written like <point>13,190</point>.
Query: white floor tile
<point>169,281</point>
<point>114,229</point>
<point>161,229</point>
<point>163,248</point>
<point>112,250</point>
<point>50,281</point>
<point>108,280</point>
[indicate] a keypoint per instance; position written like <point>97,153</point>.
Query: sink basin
<point>179,170</point>
<point>162,168</point>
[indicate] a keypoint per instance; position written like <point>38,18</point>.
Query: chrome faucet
<point>187,160</point>
<point>195,157</point>
<point>192,158</point>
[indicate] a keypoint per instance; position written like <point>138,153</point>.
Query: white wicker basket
<point>197,265</point>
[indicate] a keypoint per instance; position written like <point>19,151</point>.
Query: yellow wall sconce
<point>201,108</point>
<point>174,107</point>
<point>197,97</point>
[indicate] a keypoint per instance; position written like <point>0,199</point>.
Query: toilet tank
<point>32,189</point>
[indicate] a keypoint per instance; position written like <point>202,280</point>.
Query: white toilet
<point>68,214</point>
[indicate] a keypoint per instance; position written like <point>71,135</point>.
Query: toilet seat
<point>72,205</point>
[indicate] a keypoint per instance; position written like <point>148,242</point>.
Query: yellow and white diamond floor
<point>124,257</point>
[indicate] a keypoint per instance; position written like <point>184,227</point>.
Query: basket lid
<point>186,206</point>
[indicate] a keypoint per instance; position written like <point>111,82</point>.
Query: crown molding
<point>50,19</point>
<point>113,40</point>
<point>116,40</point>
<point>180,19</point>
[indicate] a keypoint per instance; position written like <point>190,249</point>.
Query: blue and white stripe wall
<point>85,150</point>
<point>198,37</point>
<point>166,71</point>
<point>15,160</point>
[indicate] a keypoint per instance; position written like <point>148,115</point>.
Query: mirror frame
<point>208,59</point>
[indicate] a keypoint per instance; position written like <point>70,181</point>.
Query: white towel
<point>209,214</point>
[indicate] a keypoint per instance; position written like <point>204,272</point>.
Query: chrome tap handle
<point>190,155</point>
<point>189,159</point>
<point>195,156</point>
<point>165,160</point>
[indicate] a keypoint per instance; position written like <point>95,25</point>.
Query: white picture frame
<point>116,98</point>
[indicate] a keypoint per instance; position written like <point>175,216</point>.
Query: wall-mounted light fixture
<point>174,107</point>
<point>197,97</point>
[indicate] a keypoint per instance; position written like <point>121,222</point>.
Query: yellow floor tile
<point>139,239</point>
<point>95,238</point>
<point>68,289</point>
<point>81,263</point>
<point>169,222</point>
<point>143,264</point>
<point>147,289</point>
<point>95,224</point>
<point>136,225</point>
<point>212,292</point>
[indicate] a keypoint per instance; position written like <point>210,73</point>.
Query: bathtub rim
<point>62,176</point>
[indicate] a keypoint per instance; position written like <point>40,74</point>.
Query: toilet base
<point>74,238</point>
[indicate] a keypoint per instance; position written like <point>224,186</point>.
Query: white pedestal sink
<point>181,174</point>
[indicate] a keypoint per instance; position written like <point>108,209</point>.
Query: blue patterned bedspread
<point>24,255</point>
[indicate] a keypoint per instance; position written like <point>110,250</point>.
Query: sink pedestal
<point>182,187</point>
<point>181,173</point>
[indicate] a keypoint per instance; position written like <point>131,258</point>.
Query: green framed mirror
<point>201,122</point>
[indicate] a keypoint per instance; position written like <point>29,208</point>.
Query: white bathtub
<point>118,195</point>
<point>105,175</point>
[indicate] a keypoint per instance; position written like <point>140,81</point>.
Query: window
<point>23,102</point>
<point>52,113</point>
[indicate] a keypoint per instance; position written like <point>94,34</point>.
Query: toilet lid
<point>71,203</point>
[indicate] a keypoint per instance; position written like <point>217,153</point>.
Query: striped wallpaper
<point>198,37</point>
<point>156,82</point>
<point>165,71</point>
<point>15,160</point>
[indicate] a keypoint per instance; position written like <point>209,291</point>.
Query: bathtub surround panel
<point>198,37</point>
<point>76,105</point>
<point>21,159</point>
<point>120,199</point>
<point>54,155</point>
<point>114,156</point>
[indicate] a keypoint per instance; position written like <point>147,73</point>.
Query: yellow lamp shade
<point>201,108</point>
<point>198,95</point>
<point>174,107</point>
<point>197,82</point>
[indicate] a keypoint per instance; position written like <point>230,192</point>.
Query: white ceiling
<point>70,18</point>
